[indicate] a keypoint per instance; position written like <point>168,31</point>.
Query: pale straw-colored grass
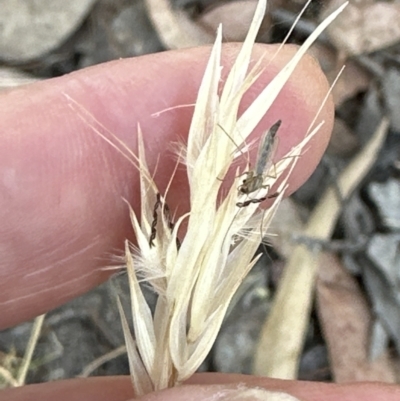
<point>196,276</point>
<point>196,280</point>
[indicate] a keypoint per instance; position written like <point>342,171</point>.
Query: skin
<point>61,190</point>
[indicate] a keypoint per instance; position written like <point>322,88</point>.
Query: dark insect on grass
<point>255,178</point>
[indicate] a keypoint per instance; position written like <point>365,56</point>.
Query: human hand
<point>61,190</point>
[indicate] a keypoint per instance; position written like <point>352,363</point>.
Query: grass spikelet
<point>196,277</point>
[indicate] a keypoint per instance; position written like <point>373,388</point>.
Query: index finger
<point>61,194</point>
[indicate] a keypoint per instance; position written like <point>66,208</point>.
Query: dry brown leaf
<point>343,141</point>
<point>235,17</point>
<point>175,29</point>
<point>353,80</point>
<point>346,322</point>
<point>365,26</point>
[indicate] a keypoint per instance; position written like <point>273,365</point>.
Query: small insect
<point>255,178</point>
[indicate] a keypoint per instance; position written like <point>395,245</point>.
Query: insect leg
<point>258,200</point>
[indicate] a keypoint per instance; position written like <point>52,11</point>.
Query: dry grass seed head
<point>201,278</point>
<point>196,282</point>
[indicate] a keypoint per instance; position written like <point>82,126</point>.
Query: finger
<point>307,391</point>
<point>61,195</point>
<point>119,388</point>
<point>113,388</point>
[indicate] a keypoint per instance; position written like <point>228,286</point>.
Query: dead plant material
<point>282,337</point>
